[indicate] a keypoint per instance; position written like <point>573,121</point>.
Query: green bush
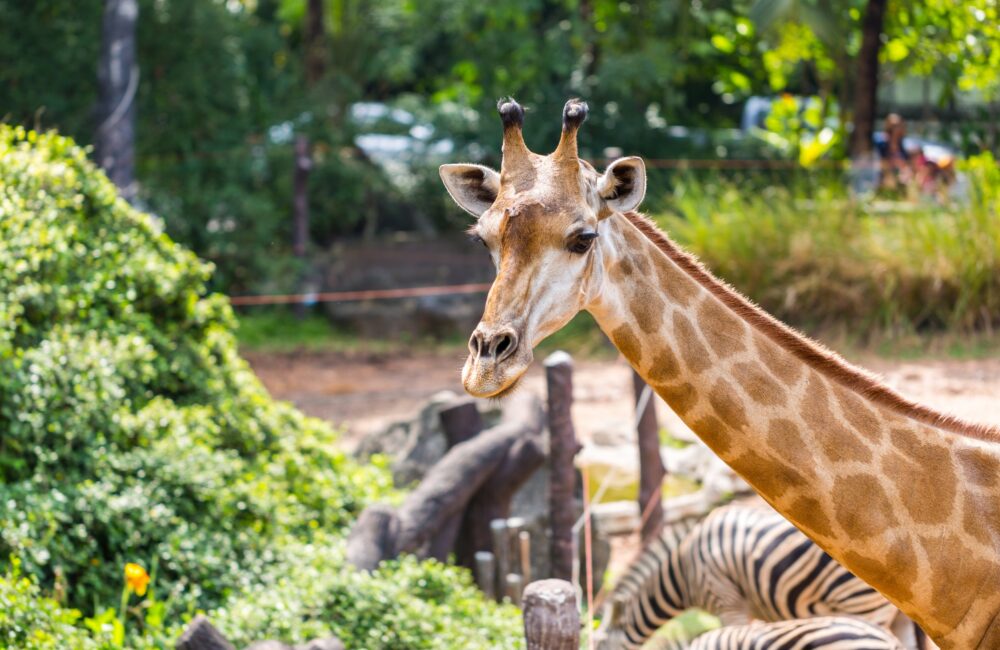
<point>814,257</point>
<point>132,431</point>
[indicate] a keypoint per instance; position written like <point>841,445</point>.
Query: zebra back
<point>819,633</point>
<point>751,563</point>
<point>740,563</point>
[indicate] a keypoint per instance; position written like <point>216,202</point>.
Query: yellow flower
<point>136,578</point>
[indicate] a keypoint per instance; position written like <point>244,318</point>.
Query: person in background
<point>897,170</point>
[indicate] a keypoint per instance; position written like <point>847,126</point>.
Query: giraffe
<point>905,497</point>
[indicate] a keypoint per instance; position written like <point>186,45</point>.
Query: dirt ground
<point>364,392</point>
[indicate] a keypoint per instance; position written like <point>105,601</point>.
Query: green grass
<point>281,331</point>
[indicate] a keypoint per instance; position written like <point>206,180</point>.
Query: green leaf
<point>896,50</point>
<point>722,43</point>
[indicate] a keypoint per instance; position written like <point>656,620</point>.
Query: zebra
<point>740,563</point>
<point>819,633</point>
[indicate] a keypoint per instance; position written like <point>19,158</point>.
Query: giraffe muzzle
<point>496,361</point>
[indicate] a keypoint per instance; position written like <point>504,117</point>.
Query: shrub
<point>133,432</point>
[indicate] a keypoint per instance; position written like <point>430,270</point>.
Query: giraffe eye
<point>582,242</point>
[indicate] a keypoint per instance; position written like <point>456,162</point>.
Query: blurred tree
<point>866,93</point>
<point>118,81</point>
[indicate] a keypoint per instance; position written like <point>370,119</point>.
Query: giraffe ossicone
<point>906,498</point>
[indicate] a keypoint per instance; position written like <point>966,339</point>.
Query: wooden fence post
<point>563,446</point>
<point>551,616</point>
<point>651,471</point>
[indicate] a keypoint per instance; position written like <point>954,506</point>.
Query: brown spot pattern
<point>728,406</point>
<point>861,506</point>
<point>648,308</point>
<point>785,438</point>
<point>724,332</point>
<point>981,518</point>
<point>862,418</point>
<point>665,366</point>
<point>808,513</point>
<point>929,497</point>
<point>892,574</point>
<point>621,269</point>
<point>680,397</point>
<point>782,364</point>
<point>693,351</point>
<point>768,475</point>
<point>956,576</point>
<point>839,443</point>
<point>715,434</point>
<point>681,289</point>
<point>978,466</point>
<point>627,342</point>
<point>758,385</point>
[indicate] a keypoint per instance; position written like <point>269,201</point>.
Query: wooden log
<point>563,446</point>
<point>373,537</point>
<point>486,573</point>
<point>513,584</point>
<point>202,635</point>
<point>449,486</point>
<point>651,470</point>
<point>492,501</point>
<point>460,421</point>
<point>551,616</point>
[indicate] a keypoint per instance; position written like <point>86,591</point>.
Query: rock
<point>413,445</point>
<point>202,635</point>
<point>331,643</point>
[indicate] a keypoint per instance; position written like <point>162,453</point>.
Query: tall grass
<point>815,257</point>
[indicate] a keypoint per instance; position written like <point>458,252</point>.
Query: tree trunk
<point>315,43</point>
<point>300,215</point>
<point>866,89</point>
<point>117,80</point>
<point>651,471</point>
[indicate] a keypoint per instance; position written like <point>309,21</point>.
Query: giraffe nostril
<point>476,344</point>
<point>503,345</point>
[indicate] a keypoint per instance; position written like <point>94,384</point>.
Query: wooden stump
<point>551,616</point>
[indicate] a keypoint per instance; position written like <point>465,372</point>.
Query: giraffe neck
<point>905,502</point>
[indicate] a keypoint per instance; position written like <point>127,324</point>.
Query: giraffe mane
<point>812,353</point>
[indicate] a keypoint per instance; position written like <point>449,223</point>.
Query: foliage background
<point>134,432</point>
<point>223,92</point>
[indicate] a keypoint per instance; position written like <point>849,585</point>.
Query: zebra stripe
<point>740,563</point>
<point>820,633</point>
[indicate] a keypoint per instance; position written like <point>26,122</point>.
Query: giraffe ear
<point>473,187</point>
<point>623,184</point>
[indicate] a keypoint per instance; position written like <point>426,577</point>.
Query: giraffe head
<point>539,217</point>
